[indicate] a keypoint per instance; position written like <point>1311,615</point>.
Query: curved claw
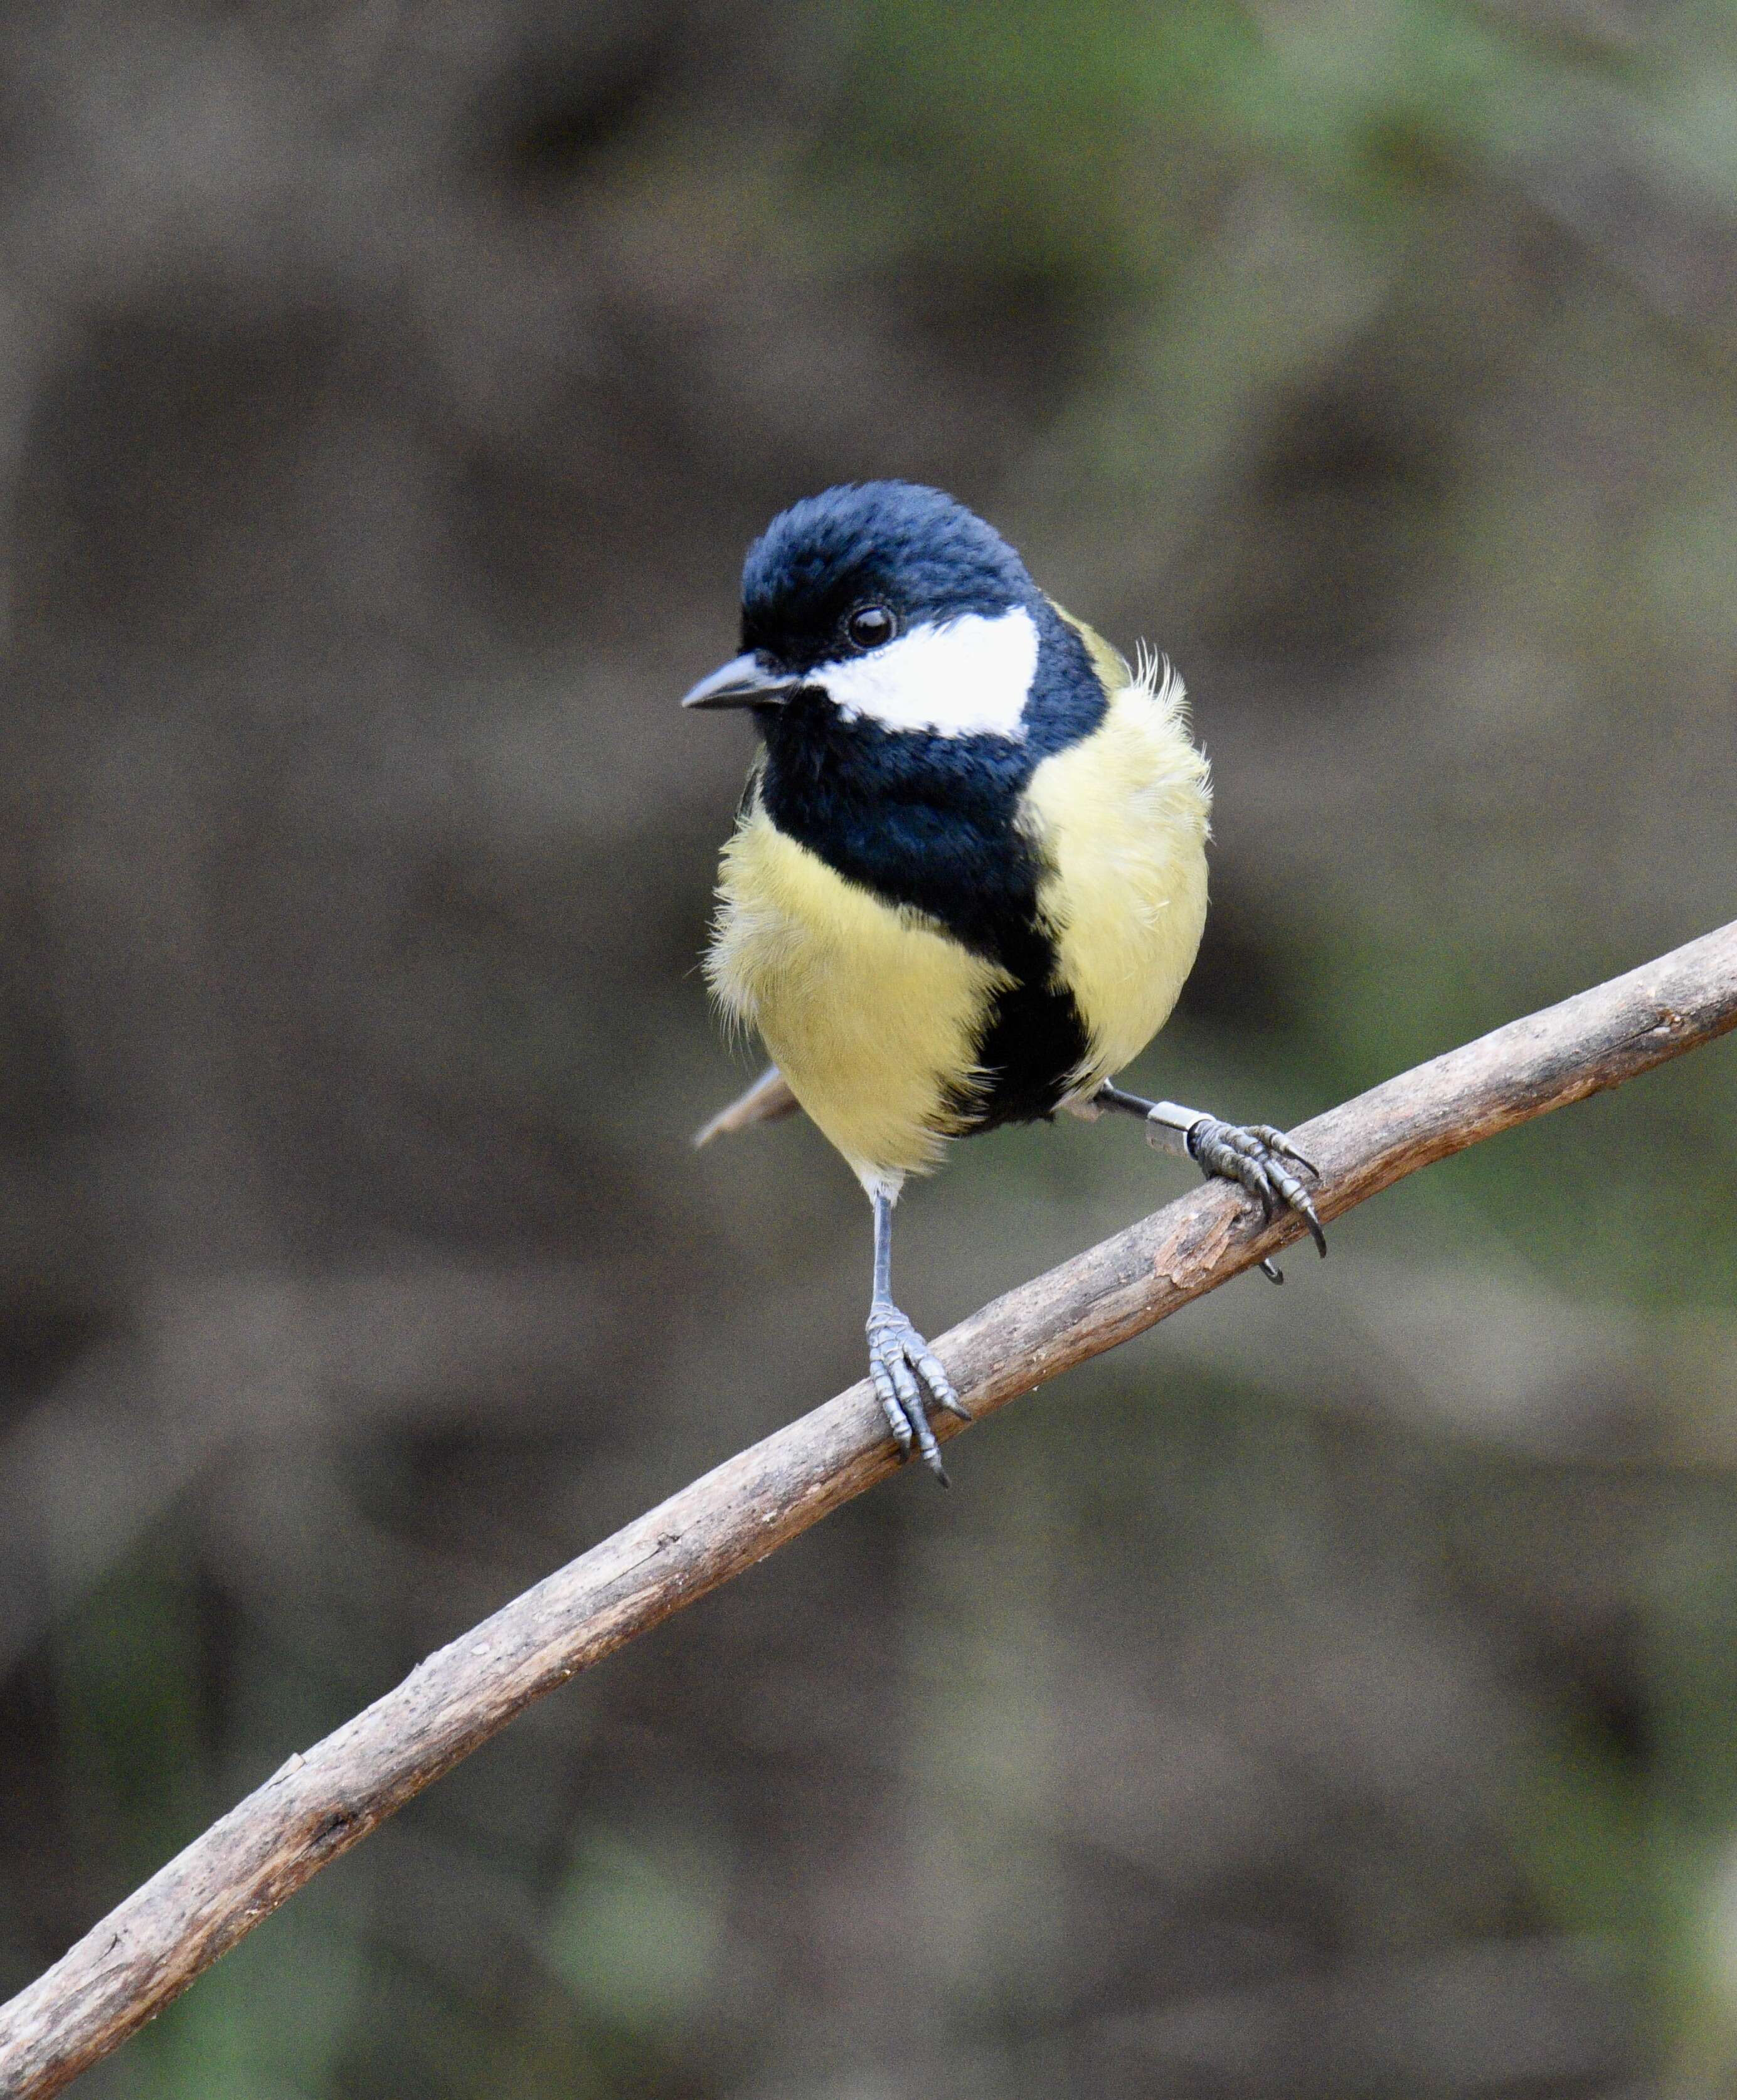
<point>1300,1203</point>
<point>1275,1141</point>
<point>1252,1157</point>
<point>901,1365</point>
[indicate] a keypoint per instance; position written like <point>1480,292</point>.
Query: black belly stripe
<point>1031,1045</point>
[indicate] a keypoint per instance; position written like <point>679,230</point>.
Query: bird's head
<point>893,604</point>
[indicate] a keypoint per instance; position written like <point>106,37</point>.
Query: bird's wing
<point>765,1101</point>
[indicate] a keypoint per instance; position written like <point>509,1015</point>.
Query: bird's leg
<point>901,1363</point>
<point>1256,1156</point>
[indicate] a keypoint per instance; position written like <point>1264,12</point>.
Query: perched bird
<point>969,875</point>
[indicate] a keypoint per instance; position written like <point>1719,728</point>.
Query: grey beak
<point>743,682</point>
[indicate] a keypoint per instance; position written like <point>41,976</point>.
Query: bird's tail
<point>765,1101</point>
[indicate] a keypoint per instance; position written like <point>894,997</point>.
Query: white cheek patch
<point>970,677</point>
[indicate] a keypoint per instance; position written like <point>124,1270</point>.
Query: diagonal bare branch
<point>149,1949</point>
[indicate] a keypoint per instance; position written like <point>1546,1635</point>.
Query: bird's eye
<point>870,626</point>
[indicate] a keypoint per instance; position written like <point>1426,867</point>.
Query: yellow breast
<point>1121,821</point>
<point>871,1013</point>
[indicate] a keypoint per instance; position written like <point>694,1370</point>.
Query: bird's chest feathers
<point>872,1011</point>
<point>926,823</point>
<point>1121,823</point>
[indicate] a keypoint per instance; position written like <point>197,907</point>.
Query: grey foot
<point>900,1364</point>
<point>1255,1156</point>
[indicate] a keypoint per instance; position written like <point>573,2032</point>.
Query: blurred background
<point>1333,1693</point>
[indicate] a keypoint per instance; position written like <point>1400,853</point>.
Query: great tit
<point>968,874</point>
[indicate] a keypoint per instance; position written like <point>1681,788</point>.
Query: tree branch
<point>196,1908</point>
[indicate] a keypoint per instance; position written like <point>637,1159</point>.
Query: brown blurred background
<point>1333,1694</point>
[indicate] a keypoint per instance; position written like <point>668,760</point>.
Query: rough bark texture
<point>317,1806</point>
